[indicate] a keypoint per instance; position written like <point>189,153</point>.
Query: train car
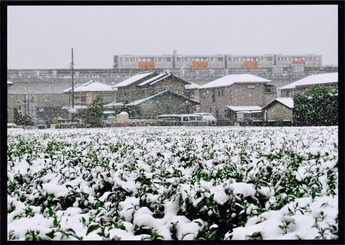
<point>199,61</point>
<point>249,61</point>
<point>309,60</point>
<point>129,61</point>
<point>178,61</point>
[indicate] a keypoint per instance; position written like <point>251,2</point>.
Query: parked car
<point>208,117</point>
<point>12,125</point>
<point>182,119</point>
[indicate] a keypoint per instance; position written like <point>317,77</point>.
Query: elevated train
<point>178,61</point>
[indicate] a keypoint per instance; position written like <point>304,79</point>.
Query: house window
<point>210,109</point>
<point>203,94</point>
<point>270,89</point>
<point>83,98</point>
<point>213,96</point>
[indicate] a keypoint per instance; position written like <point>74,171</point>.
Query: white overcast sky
<point>42,36</point>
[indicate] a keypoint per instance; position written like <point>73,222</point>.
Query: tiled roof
<point>136,102</point>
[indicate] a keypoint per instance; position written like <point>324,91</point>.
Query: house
<point>86,93</point>
<point>38,100</point>
<point>165,102</point>
<point>149,94</point>
<point>192,91</point>
<point>218,96</point>
<point>325,79</point>
<point>279,110</point>
<point>147,84</point>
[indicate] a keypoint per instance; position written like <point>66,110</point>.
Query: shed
<point>244,113</point>
<point>279,109</point>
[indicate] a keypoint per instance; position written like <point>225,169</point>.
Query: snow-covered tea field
<point>173,183</point>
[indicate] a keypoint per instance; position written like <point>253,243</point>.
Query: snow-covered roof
<point>91,86</point>
<point>192,86</point>
<point>137,102</point>
<point>108,112</point>
<point>153,79</point>
<point>9,82</point>
<point>314,80</point>
<point>131,80</point>
<point>39,87</point>
<point>245,109</point>
<point>234,78</point>
<point>75,107</point>
<point>114,104</point>
<point>287,101</point>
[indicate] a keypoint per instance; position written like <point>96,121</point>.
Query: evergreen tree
<point>94,113</point>
<point>18,118</point>
<point>318,106</point>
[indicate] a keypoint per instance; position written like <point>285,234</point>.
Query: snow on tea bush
<point>173,183</point>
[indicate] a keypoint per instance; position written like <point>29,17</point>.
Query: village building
<point>37,100</point>
<point>147,84</point>
<point>279,110</point>
<point>150,94</point>
<point>221,95</point>
<point>165,102</point>
<point>86,93</point>
<point>299,86</point>
<point>244,114</point>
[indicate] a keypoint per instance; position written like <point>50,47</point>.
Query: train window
<point>220,58</point>
<point>168,59</point>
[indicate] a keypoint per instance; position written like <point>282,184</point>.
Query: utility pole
<point>72,74</point>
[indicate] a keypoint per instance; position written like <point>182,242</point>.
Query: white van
<point>207,117</point>
<point>182,119</point>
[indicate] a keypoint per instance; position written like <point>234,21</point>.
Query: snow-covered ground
<point>173,183</point>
